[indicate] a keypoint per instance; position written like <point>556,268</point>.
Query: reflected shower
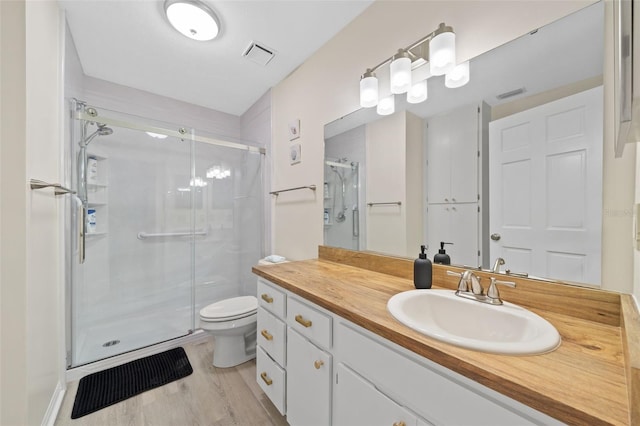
<point>102,130</point>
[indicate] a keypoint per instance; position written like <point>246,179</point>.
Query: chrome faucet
<point>469,287</point>
<point>496,266</point>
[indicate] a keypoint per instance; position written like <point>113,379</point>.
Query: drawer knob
<point>318,364</point>
<point>267,298</point>
<point>266,379</point>
<point>266,335</point>
<point>304,322</point>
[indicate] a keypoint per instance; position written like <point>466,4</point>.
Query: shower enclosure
<point>341,203</point>
<point>165,221</point>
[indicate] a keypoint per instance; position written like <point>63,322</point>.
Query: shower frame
<point>81,112</point>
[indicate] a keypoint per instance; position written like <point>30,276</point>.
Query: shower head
<point>102,130</point>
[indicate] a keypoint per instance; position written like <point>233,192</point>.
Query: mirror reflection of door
<point>546,188</point>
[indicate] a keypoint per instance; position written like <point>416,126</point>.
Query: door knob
<point>495,237</point>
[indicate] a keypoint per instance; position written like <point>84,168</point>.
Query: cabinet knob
<point>318,364</point>
<point>446,199</point>
<point>400,423</point>
<point>267,298</point>
<point>453,199</point>
<point>266,379</point>
<point>305,322</point>
<point>266,335</point>
<point>495,237</point>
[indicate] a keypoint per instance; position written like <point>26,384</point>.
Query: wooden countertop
<point>584,381</point>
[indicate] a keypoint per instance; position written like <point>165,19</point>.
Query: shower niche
<point>97,194</point>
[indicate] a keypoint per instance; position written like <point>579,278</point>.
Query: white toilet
<point>232,323</point>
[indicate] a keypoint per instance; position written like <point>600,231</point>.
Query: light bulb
<point>368,90</point>
<point>400,74</point>
<point>457,77</point>
<point>442,51</point>
<point>417,93</point>
<point>386,106</point>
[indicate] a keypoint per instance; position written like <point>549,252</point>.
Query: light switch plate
<point>295,154</point>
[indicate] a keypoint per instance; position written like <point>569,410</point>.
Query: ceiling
<point>132,43</point>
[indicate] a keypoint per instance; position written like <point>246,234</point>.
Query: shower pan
<point>166,220</point>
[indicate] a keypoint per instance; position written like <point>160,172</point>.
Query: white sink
<point>506,329</point>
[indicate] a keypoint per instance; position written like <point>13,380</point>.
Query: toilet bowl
<point>232,323</point>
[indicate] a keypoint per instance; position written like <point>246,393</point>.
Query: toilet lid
<point>230,308</point>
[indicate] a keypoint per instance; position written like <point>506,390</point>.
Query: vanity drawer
<point>309,322</point>
<point>272,299</point>
<point>272,335</point>
<point>271,378</point>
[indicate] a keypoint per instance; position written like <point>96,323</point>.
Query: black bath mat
<point>104,388</point>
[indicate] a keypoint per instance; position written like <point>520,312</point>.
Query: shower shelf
<point>95,186</point>
<point>95,234</point>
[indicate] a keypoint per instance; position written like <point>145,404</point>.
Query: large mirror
<point>508,166</point>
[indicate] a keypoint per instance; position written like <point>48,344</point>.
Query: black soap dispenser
<point>442,257</point>
<point>422,269</point>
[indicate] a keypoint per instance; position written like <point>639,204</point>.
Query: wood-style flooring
<point>209,396</point>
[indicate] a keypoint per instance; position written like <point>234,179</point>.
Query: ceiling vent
<point>511,93</point>
<point>260,54</point>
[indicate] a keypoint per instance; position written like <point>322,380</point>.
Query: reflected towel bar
<point>311,187</point>
<point>143,235</point>
<point>396,203</point>
<point>59,189</point>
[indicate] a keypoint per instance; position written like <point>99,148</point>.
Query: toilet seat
<point>230,309</point>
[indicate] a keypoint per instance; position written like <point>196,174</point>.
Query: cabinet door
<point>464,155</point>
<point>359,403</point>
<point>464,233</point>
<point>457,224</point>
<point>308,382</point>
<point>452,156</point>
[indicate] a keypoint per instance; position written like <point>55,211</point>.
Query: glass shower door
<point>135,287</point>
<point>341,203</point>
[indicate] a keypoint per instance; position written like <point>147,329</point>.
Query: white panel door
<point>545,188</point>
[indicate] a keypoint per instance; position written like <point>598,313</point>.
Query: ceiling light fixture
<point>411,67</point>
<point>192,18</point>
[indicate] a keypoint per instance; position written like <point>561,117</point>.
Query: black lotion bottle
<point>422,269</point>
<point>442,257</point>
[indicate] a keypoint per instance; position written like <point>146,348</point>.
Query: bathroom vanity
<point>330,353</point>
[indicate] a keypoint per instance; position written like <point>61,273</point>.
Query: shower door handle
<point>81,219</point>
<point>355,222</point>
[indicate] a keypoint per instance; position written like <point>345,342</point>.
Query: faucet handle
<point>463,284</point>
<point>493,293</point>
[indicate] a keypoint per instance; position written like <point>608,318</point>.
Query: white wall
<point>31,286</point>
<point>325,88</point>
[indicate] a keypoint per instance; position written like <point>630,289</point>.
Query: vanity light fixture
<point>411,67</point>
<point>192,18</point>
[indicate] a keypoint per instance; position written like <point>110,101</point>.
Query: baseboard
<point>77,373</point>
<point>54,405</point>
